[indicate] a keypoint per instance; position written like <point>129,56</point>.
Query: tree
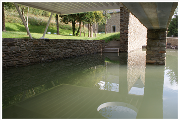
<point>173,26</point>
<point>10,5</point>
<point>5,5</point>
<point>99,18</point>
<point>90,19</point>
<point>3,18</point>
<point>80,19</point>
<point>70,18</point>
<point>23,10</point>
<point>94,17</point>
<point>57,24</point>
<point>106,16</point>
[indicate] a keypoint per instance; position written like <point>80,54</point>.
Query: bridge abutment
<point>134,35</point>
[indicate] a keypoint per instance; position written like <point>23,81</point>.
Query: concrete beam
<point>150,11</point>
<point>136,9</point>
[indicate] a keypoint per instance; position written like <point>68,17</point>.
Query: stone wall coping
<point>172,37</point>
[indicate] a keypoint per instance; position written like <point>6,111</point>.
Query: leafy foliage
<point>8,5</point>
<point>88,17</point>
<point>38,20</point>
<point>173,27</point>
<point>70,18</point>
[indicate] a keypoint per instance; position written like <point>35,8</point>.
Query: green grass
<point>17,30</point>
<point>37,25</point>
<point>34,29</point>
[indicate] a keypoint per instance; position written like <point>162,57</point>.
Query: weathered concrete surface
<point>153,15</point>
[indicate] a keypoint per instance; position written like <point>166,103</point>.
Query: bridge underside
<point>155,16</point>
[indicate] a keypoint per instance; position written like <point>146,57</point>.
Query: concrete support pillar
<point>124,22</point>
<point>156,44</point>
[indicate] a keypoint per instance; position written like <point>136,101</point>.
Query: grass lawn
<point>17,30</point>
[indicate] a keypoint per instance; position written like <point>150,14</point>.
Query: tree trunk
<point>105,28</point>
<point>95,29</point>
<point>91,30</point>
<point>73,27</point>
<point>3,18</point>
<point>27,20</point>
<point>83,28</point>
<point>57,23</point>
<point>80,28</point>
<point>23,14</point>
<point>106,24</point>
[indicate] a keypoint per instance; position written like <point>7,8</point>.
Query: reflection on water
<point>117,110</point>
<point>136,72</point>
<point>110,85</point>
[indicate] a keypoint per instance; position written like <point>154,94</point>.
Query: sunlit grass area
<point>17,30</point>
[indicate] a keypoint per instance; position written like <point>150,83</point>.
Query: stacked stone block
<point>113,21</point>
<point>172,42</point>
<point>22,52</point>
<point>133,35</point>
<point>137,34</point>
<point>156,46</point>
<point>124,22</point>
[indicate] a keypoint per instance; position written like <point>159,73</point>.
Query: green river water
<point>97,86</point>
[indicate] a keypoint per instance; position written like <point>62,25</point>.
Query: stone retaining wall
<point>22,52</point>
<point>172,41</point>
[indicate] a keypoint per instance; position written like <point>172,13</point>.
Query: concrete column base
<point>156,46</point>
